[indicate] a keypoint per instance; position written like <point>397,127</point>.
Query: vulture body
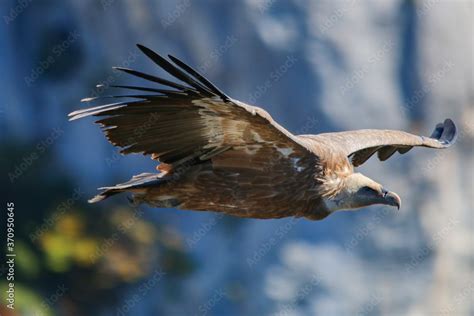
<point>219,154</point>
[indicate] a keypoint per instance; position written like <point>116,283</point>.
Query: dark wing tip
<point>142,47</point>
<point>184,72</point>
<point>209,85</point>
<point>150,53</point>
<point>446,133</point>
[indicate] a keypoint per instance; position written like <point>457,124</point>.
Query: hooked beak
<point>391,198</point>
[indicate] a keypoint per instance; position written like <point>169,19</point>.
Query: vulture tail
<point>136,185</point>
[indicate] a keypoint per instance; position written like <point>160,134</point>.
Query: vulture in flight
<point>219,154</point>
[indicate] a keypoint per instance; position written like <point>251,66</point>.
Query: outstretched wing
<point>360,145</point>
<point>187,121</point>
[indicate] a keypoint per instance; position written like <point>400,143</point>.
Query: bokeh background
<point>316,66</point>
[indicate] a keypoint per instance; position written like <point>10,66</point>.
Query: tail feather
<point>134,185</point>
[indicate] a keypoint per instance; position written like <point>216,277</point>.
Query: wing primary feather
<point>152,78</point>
<point>133,96</point>
<point>172,70</point>
<point>446,133</point>
<point>98,110</point>
<point>450,133</point>
<point>438,131</point>
<point>94,108</point>
<point>386,152</point>
<point>404,150</point>
<point>199,77</point>
<point>166,92</point>
<point>138,88</point>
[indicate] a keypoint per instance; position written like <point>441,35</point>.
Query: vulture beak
<point>391,198</point>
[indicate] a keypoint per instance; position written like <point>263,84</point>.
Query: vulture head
<point>360,191</point>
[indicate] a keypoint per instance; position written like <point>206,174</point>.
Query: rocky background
<point>316,66</point>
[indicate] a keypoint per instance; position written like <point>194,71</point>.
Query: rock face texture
<point>316,66</point>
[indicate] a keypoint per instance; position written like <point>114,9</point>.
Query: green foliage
<point>72,254</point>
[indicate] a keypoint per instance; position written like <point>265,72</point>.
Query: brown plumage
<point>220,154</point>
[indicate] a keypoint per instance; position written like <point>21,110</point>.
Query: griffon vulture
<point>220,154</point>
